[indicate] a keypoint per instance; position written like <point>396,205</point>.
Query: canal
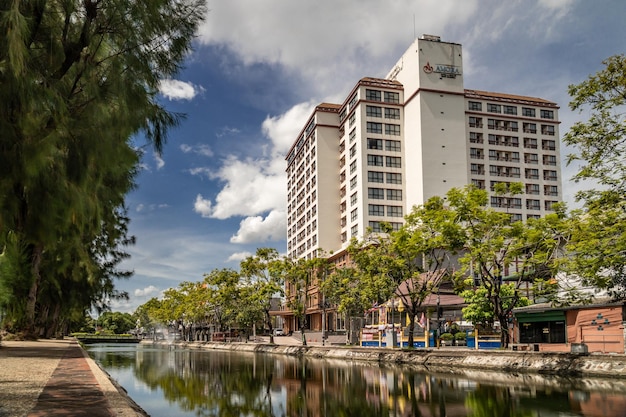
<point>166,381</point>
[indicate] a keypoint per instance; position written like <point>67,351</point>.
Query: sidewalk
<point>57,378</point>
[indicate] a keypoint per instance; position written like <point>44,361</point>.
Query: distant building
<point>398,141</point>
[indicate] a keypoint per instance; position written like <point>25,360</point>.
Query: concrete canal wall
<point>445,360</point>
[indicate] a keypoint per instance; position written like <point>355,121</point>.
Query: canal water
<point>179,382</point>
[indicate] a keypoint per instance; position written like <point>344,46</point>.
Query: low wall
<point>455,361</point>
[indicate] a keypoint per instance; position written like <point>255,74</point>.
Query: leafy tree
<point>499,252</point>
<point>116,322</point>
<point>264,273</point>
<point>598,235</point>
<point>427,244</point>
<point>223,297</point>
<point>78,79</point>
<point>298,275</point>
<point>601,141</point>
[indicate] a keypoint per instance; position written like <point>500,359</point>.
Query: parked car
<point>279,332</point>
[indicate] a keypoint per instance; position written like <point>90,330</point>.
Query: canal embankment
<point>444,360</point>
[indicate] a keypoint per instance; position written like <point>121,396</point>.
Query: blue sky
<point>259,67</point>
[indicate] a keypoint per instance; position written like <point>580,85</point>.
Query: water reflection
<point>209,383</point>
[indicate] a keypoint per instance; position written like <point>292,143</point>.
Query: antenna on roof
<point>414,35</point>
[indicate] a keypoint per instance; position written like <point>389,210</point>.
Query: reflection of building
<point>599,326</point>
<point>396,142</point>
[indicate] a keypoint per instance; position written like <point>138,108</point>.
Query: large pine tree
<point>78,78</point>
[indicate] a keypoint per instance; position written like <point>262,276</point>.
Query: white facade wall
<point>416,127</point>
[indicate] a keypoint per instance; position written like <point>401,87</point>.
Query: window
<point>376,193</point>
<point>375,209</point>
<point>353,199</point>
<point>476,137</point>
<point>531,158</point>
<point>373,95</point>
<point>375,160</point>
<point>476,153</point>
<point>391,97</point>
<point>475,105</point>
<point>374,176</point>
<point>493,108</point>
<point>352,118</point>
<point>530,143</point>
<point>547,114</point>
<point>394,195</point>
<point>352,102</point>
<point>342,176</point>
<point>393,161</point>
<point>549,175</point>
<point>375,144</point>
<point>392,129</point>
<point>480,184</point>
<point>391,113</point>
<point>542,332</point>
<point>352,135</point>
<point>549,159</point>
<point>352,167</point>
<point>528,112</point>
<point>532,204</point>
<point>548,145</point>
<point>532,189</point>
<point>510,110</point>
<point>530,127</point>
<point>394,211</point>
<point>550,190</point>
<point>353,182</point>
<point>373,111</point>
<point>374,127</point>
<point>547,130</point>
<point>354,215</point>
<point>475,122</point>
<point>548,205</point>
<point>352,151</point>
<point>392,145</point>
<point>394,178</point>
<point>375,226</point>
<point>531,173</point>
<point>477,169</point>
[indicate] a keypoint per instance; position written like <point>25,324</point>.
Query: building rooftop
<point>512,98</point>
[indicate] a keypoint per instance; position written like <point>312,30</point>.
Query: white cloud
<point>202,206</point>
<point>179,90</point>
<point>160,163</point>
<point>327,42</point>
<point>258,229</point>
<point>201,149</point>
<point>200,171</point>
<point>253,187</point>
<point>139,208</point>
<point>239,256</point>
<point>146,292</point>
<point>283,129</point>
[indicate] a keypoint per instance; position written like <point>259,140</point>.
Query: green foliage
<point>502,256</point>
<point>77,81</point>
<point>598,243</point>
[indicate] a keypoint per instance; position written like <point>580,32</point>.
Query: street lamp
<point>393,305</point>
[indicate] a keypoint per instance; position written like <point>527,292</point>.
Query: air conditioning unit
<point>579,348</point>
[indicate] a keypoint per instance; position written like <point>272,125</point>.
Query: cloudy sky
<point>259,67</point>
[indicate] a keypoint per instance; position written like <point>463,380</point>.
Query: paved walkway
<point>57,378</point>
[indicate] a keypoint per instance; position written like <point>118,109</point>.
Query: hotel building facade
<point>398,141</point>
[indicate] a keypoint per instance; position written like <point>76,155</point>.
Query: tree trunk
<point>504,331</point>
<point>31,302</point>
<point>411,330</point>
<point>269,325</point>
<point>302,331</point>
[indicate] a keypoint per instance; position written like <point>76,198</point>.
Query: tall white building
<point>396,142</point>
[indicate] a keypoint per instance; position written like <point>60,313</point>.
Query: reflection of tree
<point>493,401</point>
<point>212,384</point>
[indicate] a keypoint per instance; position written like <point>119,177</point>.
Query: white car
<point>279,332</point>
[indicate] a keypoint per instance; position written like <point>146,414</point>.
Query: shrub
<point>446,336</point>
